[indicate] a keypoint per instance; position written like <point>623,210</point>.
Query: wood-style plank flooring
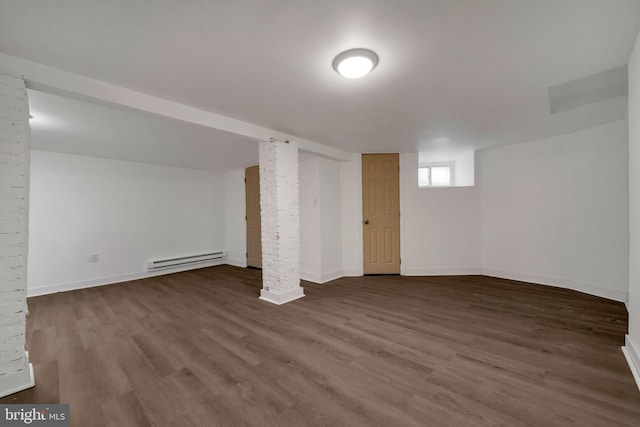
<point>199,348</point>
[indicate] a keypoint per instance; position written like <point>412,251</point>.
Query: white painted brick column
<point>16,373</point>
<point>280,213</point>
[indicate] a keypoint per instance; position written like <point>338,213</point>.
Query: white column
<point>16,373</point>
<point>280,213</point>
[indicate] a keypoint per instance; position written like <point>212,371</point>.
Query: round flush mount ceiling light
<point>355,63</point>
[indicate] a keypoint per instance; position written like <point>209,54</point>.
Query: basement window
<point>440,175</point>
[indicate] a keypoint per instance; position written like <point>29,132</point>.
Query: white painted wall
<point>330,219</point>
<point>632,344</point>
<point>554,211</point>
<point>310,227</point>
<point>351,215</point>
<point>465,169</point>
<point>235,224</point>
<point>127,213</point>
<point>320,220</point>
<point>440,227</point>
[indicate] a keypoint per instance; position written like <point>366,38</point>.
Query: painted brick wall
<point>279,200</point>
<point>14,214</point>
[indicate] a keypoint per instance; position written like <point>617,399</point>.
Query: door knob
<point>366,221</point>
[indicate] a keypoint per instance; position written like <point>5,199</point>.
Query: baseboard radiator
<point>161,264</point>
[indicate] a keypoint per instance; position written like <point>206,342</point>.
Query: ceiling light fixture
<point>355,63</point>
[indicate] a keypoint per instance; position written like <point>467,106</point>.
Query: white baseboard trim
<point>560,282</point>
<point>18,381</point>
<point>327,277</point>
<point>443,271</point>
<point>237,263</point>
<point>321,278</point>
<point>110,280</point>
<point>283,298</point>
<point>310,277</point>
<point>632,354</point>
<point>352,273</point>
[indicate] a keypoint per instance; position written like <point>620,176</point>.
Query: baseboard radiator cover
<point>175,262</point>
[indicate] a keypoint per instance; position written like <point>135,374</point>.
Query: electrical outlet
<point>94,258</point>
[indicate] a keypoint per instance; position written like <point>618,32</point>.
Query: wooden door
<point>381,213</point>
<point>254,233</point>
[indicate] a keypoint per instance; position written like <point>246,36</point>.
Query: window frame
<point>430,165</point>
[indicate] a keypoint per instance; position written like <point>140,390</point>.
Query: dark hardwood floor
<point>199,348</point>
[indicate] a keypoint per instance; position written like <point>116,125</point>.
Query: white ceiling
<point>77,127</point>
<point>462,74</point>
